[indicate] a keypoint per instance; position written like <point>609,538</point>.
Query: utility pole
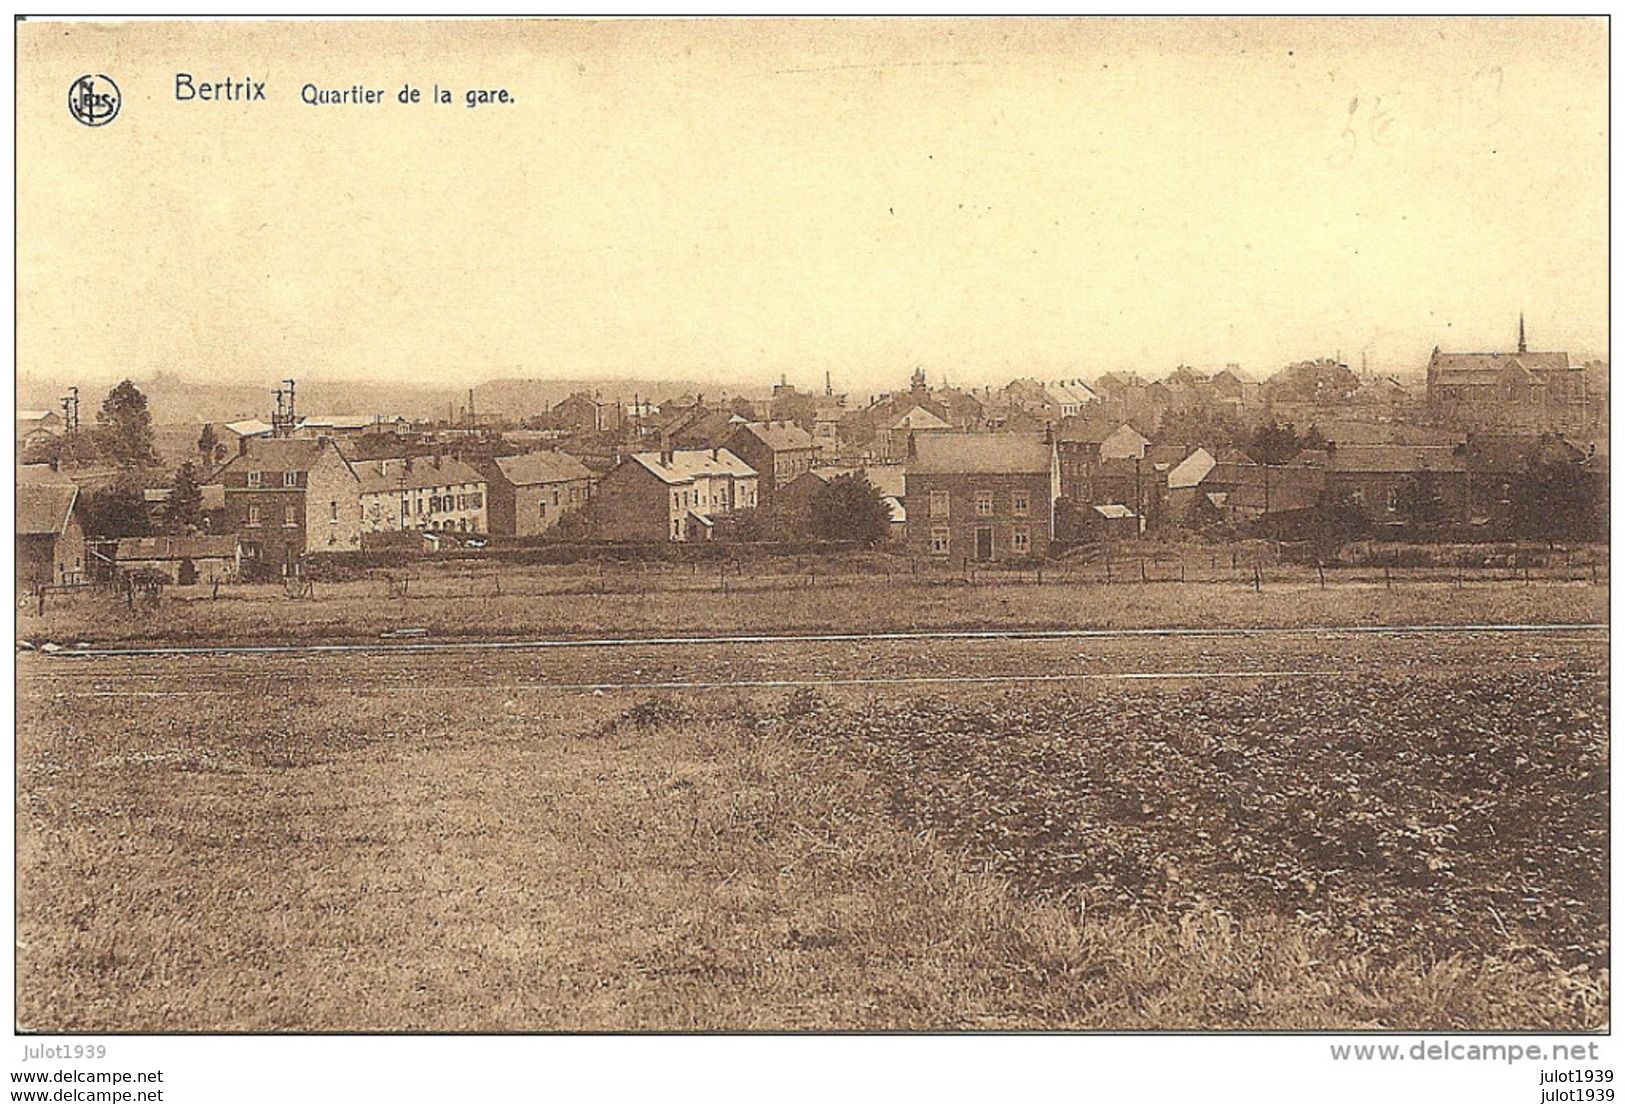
<point>70,410</point>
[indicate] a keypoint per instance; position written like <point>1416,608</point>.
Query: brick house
<point>1385,480</point>
<point>675,495</point>
<point>982,496</point>
<point>288,496</point>
<point>526,495</point>
<point>777,451</point>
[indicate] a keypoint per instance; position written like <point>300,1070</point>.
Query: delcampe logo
<point>94,99</point>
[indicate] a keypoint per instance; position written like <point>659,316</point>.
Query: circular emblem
<point>94,99</point>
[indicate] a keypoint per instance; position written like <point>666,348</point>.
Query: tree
<point>1274,444</point>
<point>1554,500</point>
<point>117,510</point>
<point>124,427</point>
<point>1217,429</point>
<point>207,443</point>
<point>1422,500</point>
<point>848,508</point>
<point>1314,440</point>
<point>182,511</point>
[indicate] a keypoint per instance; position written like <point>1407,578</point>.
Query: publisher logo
<point>94,100</point>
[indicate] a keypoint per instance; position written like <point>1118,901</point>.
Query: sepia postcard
<point>813,525</point>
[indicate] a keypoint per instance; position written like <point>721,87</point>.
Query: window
<point>556,497</point>
<point>542,508</point>
<point>434,504</point>
<point>939,504</point>
<point>475,500</point>
<point>255,479</point>
<point>674,499</point>
<point>1020,541</point>
<point>575,494</point>
<point>984,503</point>
<point>939,540</point>
<point>290,516</point>
<point>290,479</point>
<point>1393,499</point>
<point>253,515</point>
<point>1020,503</point>
<point>333,511</point>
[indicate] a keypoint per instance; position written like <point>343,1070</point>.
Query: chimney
<point>665,448</point>
<point>714,452</point>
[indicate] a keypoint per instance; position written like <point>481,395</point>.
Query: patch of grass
<point>360,611</point>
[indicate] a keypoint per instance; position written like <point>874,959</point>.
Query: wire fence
<point>1256,569</point>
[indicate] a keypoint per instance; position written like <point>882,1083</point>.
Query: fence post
<point>1321,569</point>
<point>1387,578</point>
<point>1143,577</point>
<point>1258,580</point>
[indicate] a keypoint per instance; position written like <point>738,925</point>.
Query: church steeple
<point>1522,346</point>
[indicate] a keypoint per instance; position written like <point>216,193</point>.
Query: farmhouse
<point>982,496</point>
<point>674,495</point>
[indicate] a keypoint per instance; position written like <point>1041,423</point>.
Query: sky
<point>742,200</point>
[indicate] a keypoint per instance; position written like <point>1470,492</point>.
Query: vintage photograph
<point>812,525</point>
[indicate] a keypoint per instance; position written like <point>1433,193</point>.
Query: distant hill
<point>174,400</point>
<point>177,401</point>
<point>522,398</point>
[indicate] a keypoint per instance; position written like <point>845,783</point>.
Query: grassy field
<point>453,606</point>
<point>340,852</point>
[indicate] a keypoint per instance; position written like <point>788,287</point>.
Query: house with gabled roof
<point>982,496</point>
<point>778,451</point>
<point>287,496</point>
<point>672,495</point>
<point>528,494</point>
<point>430,493</point>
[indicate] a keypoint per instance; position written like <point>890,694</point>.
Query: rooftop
<point>44,508</point>
<point>413,474</point>
<point>981,453</point>
<point>682,465</point>
<point>176,548</point>
<point>779,436</point>
<point>531,468</point>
